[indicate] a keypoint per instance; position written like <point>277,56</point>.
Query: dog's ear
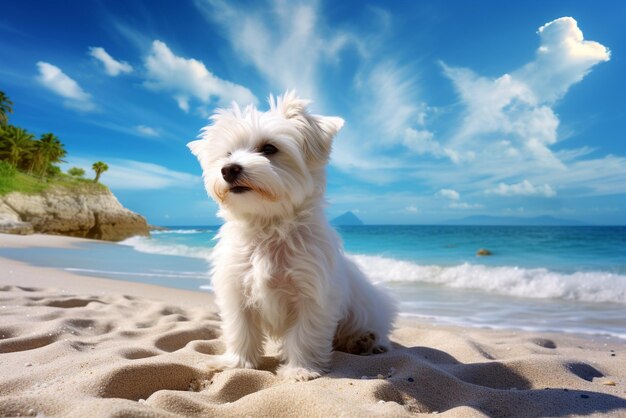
<point>320,131</point>
<point>329,125</point>
<point>199,149</point>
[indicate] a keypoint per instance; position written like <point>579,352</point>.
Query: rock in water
<point>61,211</point>
<point>484,251</point>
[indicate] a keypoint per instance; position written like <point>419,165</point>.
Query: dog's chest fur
<point>274,279</point>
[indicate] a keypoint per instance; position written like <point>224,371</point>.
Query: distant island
<point>515,221</point>
<point>347,219</point>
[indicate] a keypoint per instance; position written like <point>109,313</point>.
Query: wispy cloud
<point>187,78</point>
<point>285,41</point>
<point>147,131</point>
<point>137,175</point>
<point>591,177</point>
<point>465,205</point>
<point>7,27</point>
<point>524,188</point>
<point>54,79</point>
<point>391,99</point>
<point>111,66</point>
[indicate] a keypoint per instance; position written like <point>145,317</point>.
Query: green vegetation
<point>12,180</point>
<point>28,165</point>
<point>76,172</point>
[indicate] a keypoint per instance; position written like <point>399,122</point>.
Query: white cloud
<point>187,78</point>
<point>136,175</point>
<point>147,131</point>
<point>51,77</point>
<point>525,188</point>
<point>111,66</point>
<point>411,209</point>
<point>448,194</point>
<point>563,59</point>
<point>503,106</point>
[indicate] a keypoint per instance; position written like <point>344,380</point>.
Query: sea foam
<point>505,280</point>
<point>147,245</point>
<point>156,273</point>
<point>181,231</point>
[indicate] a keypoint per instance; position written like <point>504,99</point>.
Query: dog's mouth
<point>240,189</point>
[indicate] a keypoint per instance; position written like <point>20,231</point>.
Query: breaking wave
<point>504,280</point>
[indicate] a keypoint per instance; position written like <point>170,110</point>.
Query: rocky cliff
<point>61,211</point>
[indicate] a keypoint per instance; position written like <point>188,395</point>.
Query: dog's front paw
<point>297,374</point>
<point>366,344</point>
<point>228,361</point>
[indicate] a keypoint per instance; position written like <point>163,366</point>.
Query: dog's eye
<point>268,149</point>
<point>228,154</point>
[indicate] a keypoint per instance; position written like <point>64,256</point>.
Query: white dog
<point>279,270</point>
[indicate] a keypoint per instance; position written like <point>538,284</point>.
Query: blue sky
<point>452,109</point>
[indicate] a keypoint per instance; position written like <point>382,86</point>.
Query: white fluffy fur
<point>279,270</point>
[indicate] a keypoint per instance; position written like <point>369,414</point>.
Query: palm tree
<point>51,151</point>
<point>36,158</point>
<point>99,167</point>
<point>6,106</point>
<point>16,144</point>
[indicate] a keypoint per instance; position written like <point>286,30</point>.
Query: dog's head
<point>265,164</point>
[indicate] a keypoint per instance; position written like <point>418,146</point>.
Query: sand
<point>88,347</point>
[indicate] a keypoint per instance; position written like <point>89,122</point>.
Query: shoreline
<point>73,345</point>
<point>19,273</point>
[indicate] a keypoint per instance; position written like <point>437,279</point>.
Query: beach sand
<point>82,346</point>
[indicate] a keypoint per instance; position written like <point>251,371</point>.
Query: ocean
<point>548,278</point>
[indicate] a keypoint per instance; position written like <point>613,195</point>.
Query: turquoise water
<point>564,249</point>
<point>538,278</point>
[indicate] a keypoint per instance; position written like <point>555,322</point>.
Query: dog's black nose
<point>230,172</point>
